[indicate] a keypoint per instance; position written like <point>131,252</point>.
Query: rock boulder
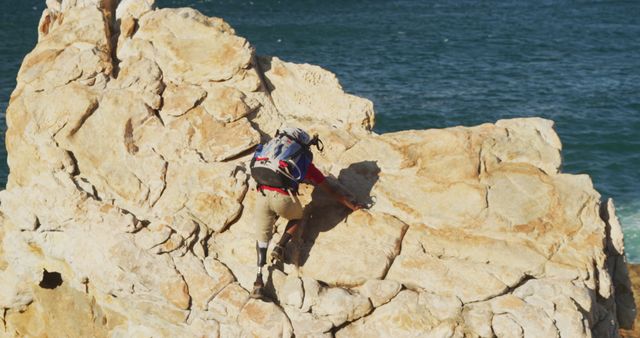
<point>129,209</point>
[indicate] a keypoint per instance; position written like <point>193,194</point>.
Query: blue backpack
<point>284,160</point>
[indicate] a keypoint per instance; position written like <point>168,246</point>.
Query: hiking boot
<point>277,254</point>
<point>258,290</point>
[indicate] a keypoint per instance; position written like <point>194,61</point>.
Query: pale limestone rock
<point>218,271</point>
<point>117,163</point>
<point>446,329</point>
<point>23,218</point>
<point>535,322</point>
<point>35,119</point>
<point>183,49</point>
<point>55,118</point>
<point>143,77</point>
<point>504,326</point>
<point>582,222</point>
<point>179,99</point>
<point>616,242</point>
<point>262,319</point>
<point>307,325</point>
<point>379,291</point>
<point>73,49</point>
<point>133,272</point>
<point>277,277</point>
<point>289,290</point>
<point>318,335</point>
<point>61,312</point>
<point>127,28</point>
<point>152,235</point>
<point>540,132</point>
<point>560,301</point>
<point>402,317</point>
<point>337,141</point>
<point>35,208</point>
<point>404,185</point>
<point>53,5</point>
<point>14,293</point>
<point>140,163</point>
<point>339,305</point>
<point>183,226</point>
<point>198,135</point>
<point>227,304</point>
<point>227,330</point>
<point>205,328</point>
<point>203,286</point>
<point>236,250</point>
<point>49,20</point>
<point>442,307</point>
<point>226,104</point>
<point>526,191</point>
<point>310,92</point>
<point>198,328</point>
<point>304,91</point>
<point>265,114</point>
<point>134,8</point>
<point>445,155</point>
<point>446,243</point>
<point>311,293</point>
<point>249,81</point>
<point>174,242</point>
<point>201,206</point>
<point>64,236</point>
<point>208,194</point>
<point>68,4</point>
<point>477,319</point>
<point>329,261</point>
<point>3,261</point>
<point>415,267</point>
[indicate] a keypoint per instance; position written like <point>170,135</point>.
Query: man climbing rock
<point>278,167</point>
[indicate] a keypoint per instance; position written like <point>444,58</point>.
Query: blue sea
<point>436,64</point>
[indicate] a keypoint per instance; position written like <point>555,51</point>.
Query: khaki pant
<point>271,205</point>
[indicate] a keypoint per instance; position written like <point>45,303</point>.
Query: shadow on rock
<point>324,213</point>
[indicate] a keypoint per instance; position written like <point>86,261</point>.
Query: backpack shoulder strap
<point>295,140</point>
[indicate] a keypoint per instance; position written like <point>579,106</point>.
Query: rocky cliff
<point>634,276</point>
<point>128,211</point>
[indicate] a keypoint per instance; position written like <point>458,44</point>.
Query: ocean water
<point>436,64</point>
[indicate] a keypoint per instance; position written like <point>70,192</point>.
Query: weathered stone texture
<point>129,137</point>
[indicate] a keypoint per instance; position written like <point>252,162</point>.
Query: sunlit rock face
<point>129,207</point>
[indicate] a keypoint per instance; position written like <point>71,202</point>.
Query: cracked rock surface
<point>129,208</point>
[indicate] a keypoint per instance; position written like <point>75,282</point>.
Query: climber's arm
<point>317,178</point>
<point>339,197</point>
